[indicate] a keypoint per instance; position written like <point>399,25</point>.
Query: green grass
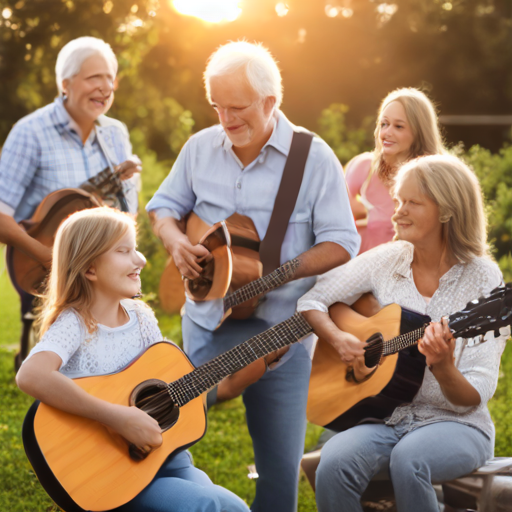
<point>224,453</point>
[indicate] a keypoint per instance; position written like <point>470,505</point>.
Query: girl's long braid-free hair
<point>80,239</point>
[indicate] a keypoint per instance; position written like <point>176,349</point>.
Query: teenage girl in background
<point>407,127</point>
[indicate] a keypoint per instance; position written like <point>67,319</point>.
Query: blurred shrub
<point>345,142</point>
<point>495,174</point>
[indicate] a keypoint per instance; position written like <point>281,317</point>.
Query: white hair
<point>260,68</point>
<point>73,54</point>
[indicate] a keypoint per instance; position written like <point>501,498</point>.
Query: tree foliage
<point>346,142</point>
<point>459,50</point>
<point>494,172</point>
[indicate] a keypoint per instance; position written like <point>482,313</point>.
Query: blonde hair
<point>260,68</point>
<point>80,239</point>
<point>455,189</point>
<point>422,118</point>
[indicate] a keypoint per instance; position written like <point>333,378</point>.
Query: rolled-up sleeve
<point>332,217</point>
<point>175,197</point>
<point>18,163</point>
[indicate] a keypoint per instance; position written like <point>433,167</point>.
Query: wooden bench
<point>488,489</point>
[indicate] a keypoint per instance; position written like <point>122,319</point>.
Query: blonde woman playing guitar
<point>439,264</point>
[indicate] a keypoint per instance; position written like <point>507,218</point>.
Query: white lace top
<point>386,272</point>
<point>107,350</point>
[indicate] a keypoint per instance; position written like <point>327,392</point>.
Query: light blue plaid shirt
<point>209,179</point>
<point>43,153</point>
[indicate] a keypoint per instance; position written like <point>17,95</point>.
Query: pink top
<point>376,199</point>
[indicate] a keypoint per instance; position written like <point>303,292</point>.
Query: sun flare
<point>213,11</point>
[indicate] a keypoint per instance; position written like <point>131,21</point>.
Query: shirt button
<point>238,185</point>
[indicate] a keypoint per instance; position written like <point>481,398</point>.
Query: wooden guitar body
<point>246,266</point>
<point>28,273</point>
<point>338,402</point>
<point>83,465</point>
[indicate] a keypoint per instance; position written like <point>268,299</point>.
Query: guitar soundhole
<point>152,397</point>
<point>201,286</point>
<point>373,350</point>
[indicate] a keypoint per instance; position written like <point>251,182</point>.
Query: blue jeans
<point>180,487</point>
<point>275,410</point>
<point>430,454</point>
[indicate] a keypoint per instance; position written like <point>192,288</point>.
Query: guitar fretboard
<point>278,277</point>
<point>208,375</point>
<point>398,343</point>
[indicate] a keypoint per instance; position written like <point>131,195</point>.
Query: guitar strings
<point>266,283</point>
<point>396,344</point>
<point>206,376</point>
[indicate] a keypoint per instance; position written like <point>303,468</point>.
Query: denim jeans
<point>430,454</point>
<point>275,410</point>
<point>180,487</point>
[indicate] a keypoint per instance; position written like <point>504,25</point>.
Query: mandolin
<point>342,396</point>
<point>84,466</point>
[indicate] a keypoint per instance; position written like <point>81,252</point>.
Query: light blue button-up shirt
<point>209,179</point>
<point>43,153</point>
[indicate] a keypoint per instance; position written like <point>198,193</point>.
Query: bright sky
<point>213,11</point>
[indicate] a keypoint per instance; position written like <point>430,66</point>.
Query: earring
<point>445,218</point>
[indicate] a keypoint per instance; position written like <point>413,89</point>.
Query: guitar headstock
<point>484,314</point>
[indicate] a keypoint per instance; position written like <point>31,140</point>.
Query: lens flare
<point>212,11</point>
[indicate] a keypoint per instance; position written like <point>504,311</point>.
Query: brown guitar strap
<point>270,247</point>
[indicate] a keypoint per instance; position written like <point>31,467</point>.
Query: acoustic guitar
<point>104,188</point>
<point>240,266</point>
<point>84,466</point>
<point>342,396</point>
<point>234,267</point>
<point>27,272</point>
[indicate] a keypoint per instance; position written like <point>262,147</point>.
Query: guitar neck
<point>264,284</point>
<point>402,341</point>
<point>208,375</point>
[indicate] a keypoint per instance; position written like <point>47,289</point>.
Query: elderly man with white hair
<point>237,166</point>
<point>63,145</point>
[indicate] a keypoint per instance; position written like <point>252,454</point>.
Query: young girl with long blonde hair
<point>90,325</point>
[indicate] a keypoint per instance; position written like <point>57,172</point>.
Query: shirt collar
<point>403,267</point>
<point>61,117</point>
<point>63,121</point>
